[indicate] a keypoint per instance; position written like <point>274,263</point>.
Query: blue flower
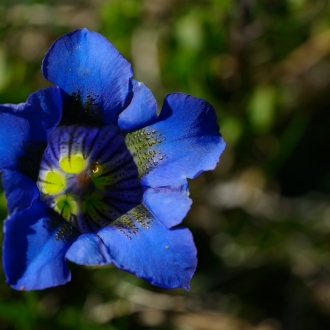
<point>92,175</point>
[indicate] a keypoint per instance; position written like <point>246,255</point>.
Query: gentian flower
<point>93,175</point>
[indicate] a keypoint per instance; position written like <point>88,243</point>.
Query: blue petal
<point>142,110</point>
<point>170,204</point>
<point>34,247</point>
<point>48,102</point>
<point>94,76</point>
<point>19,189</point>
<point>23,139</point>
<point>89,250</point>
<point>190,140</point>
<point>145,247</point>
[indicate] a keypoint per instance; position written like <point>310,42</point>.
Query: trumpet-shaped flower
<point>93,175</point>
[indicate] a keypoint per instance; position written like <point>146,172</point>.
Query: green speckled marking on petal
<point>125,225</point>
<point>145,147</point>
<point>139,214</point>
<point>65,232</point>
<point>142,215</point>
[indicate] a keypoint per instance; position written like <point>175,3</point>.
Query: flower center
<point>88,176</point>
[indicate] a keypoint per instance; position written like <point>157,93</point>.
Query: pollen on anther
<point>94,167</point>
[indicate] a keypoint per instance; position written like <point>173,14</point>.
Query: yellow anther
<point>66,206</point>
<point>73,165</point>
<point>53,183</point>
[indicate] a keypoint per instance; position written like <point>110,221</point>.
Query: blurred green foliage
<point>261,219</point>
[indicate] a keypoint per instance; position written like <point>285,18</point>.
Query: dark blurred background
<point>261,219</point>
